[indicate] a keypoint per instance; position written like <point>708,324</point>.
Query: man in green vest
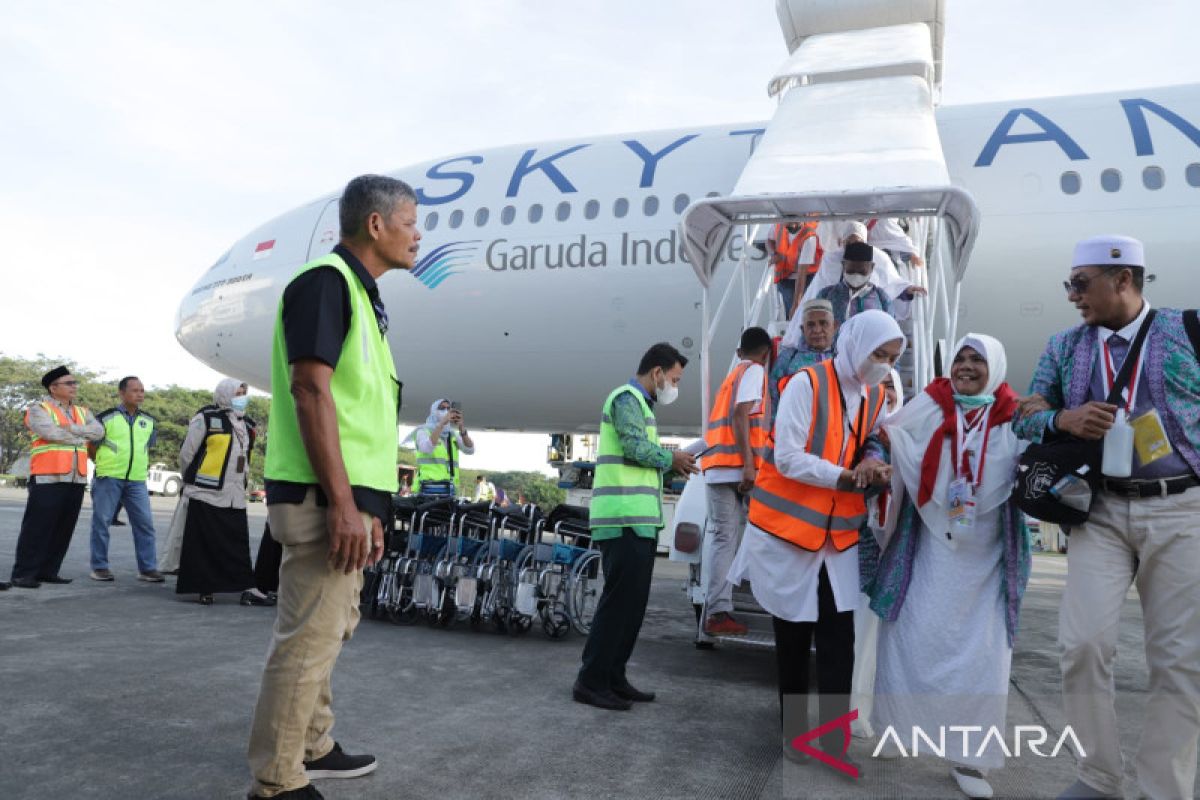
<point>626,515</point>
<point>330,475</point>
<point>122,463</point>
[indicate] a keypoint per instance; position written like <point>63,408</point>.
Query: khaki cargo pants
<point>316,613</point>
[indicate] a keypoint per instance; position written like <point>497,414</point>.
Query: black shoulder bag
<point>1057,479</point>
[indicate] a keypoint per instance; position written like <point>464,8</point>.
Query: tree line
<point>174,406</point>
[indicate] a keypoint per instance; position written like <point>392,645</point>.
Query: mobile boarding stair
<point>853,137</point>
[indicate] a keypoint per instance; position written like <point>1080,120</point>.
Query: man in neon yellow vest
<point>122,465</point>
<point>330,474</point>
<point>626,515</point>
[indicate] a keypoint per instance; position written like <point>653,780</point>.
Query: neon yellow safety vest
<point>125,451</point>
<point>365,393</point>
<point>624,493</point>
<point>434,466</point>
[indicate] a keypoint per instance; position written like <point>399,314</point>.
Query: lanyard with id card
<point>960,502</point>
<point>1149,436</point>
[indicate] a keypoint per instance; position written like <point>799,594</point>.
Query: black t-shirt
<point>316,320</point>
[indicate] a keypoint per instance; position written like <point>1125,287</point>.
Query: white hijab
<point>225,392</point>
<point>911,429</point>
<point>859,337</point>
<point>434,415</point>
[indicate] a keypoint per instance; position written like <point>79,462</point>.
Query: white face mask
<point>872,372</point>
<point>442,414</point>
<point>240,402</point>
<point>668,393</point>
<point>854,280</point>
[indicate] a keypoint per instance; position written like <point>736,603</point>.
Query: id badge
<point>1149,437</point>
<point>241,464</point>
<point>961,505</point>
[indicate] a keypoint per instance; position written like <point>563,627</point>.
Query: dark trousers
<point>628,563</point>
<point>46,529</point>
<point>835,662</point>
<point>266,563</point>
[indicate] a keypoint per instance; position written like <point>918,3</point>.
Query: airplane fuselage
<point>547,269</point>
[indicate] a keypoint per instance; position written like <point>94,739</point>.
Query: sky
<point>141,139</point>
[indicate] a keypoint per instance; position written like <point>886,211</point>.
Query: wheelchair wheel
<point>519,624</point>
<point>587,579</point>
<point>555,622</point>
<point>402,612</point>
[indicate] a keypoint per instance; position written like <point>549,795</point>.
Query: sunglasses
<point>65,383</point>
<point>1078,284</point>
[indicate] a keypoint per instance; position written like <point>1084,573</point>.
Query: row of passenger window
<point>1153,178</point>
<point>562,212</point>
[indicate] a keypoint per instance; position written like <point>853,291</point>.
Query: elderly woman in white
<point>798,551</point>
<point>952,566</point>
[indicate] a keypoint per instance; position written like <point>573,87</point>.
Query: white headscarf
<point>434,416</point>
<point>992,351</point>
<point>910,430</point>
<point>225,391</point>
<point>899,386</point>
<point>862,335</point>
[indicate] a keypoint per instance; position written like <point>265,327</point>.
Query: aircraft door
<point>325,234</point>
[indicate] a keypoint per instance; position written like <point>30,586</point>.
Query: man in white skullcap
<point>1144,523</point>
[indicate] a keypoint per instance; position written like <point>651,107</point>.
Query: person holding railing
<point>806,509</point>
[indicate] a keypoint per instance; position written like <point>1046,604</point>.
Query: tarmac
<point>126,690</point>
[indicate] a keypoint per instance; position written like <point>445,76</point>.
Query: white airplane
<point>548,268</point>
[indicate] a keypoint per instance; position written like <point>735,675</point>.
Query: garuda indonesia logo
<point>443,262</point>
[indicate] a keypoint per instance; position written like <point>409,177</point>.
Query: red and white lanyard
<point>962,459</point>
<point>1110,376</point>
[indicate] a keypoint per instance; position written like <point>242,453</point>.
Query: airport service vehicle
<point>160,480</point>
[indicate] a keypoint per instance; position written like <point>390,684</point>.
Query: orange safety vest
<point>725,453</point>
<point>56,458</point>
<point>790,246</point>
<point>801,513</point>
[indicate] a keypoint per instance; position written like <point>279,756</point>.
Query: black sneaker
<point>308,792</point>
<point>626,692</point>
<point>606,699</point>
<point>337,764</point>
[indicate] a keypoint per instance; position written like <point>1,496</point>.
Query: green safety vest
<point>125,451</point>
<point>365,393</point>
<point>435,466</point>
<point>624,493</point>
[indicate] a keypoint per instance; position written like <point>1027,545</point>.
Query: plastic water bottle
<point>1118,448</point>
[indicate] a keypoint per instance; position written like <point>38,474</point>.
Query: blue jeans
<point>106,494</point>
<point>787,293</point>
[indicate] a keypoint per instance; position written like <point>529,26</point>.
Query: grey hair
<point>367,195</point>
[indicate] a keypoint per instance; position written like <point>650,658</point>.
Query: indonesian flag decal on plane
<point>263,250</point>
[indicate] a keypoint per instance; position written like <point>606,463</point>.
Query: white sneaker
<point>971,782</point>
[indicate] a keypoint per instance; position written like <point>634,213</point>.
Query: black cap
<point>53,375</point>
<point>859,251</point>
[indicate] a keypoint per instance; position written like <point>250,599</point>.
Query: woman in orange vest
<point>736,437</point>
<point>57,477</point>
<point>799,550</point>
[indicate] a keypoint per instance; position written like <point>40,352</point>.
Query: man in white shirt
<point>736,434</point>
